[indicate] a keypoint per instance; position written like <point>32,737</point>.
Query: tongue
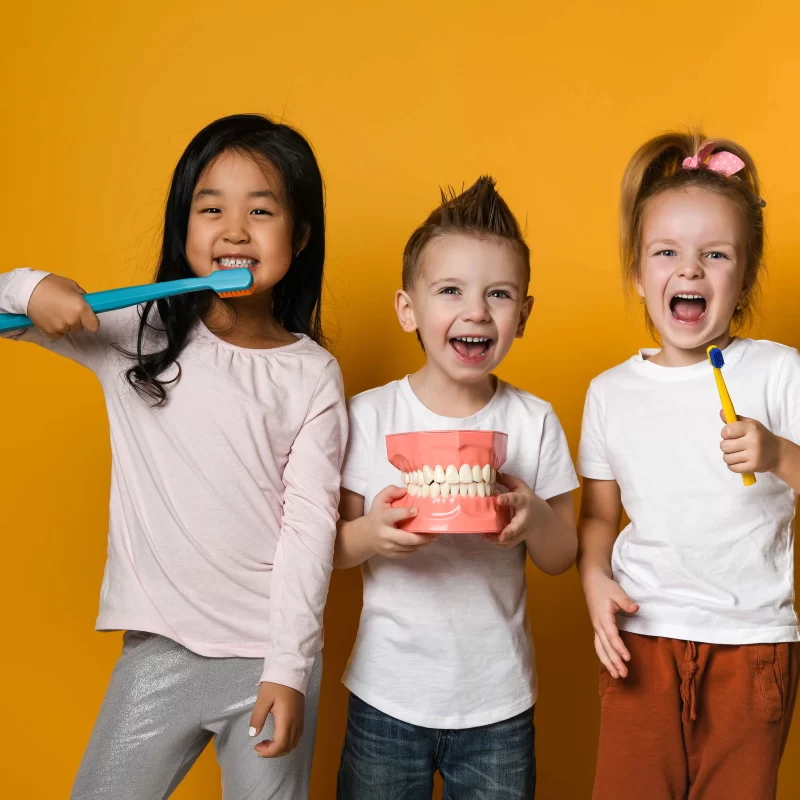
<point>468,349</point>
<point>688,310</point>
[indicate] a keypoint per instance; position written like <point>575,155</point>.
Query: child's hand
<point>525,505</point>
<point>387,540</point>
<point>288,709</point>
<point>57,307</point>
<point>749,447</point>
<point>604,598</point>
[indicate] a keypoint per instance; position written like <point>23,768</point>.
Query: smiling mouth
<point>688,308</point>
<point>234,262</point>
<point>471,349</point>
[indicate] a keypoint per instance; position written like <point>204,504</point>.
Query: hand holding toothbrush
<point>749,447</point>
<point>57,307</point>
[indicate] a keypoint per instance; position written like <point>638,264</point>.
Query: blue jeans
<point>386,759</point>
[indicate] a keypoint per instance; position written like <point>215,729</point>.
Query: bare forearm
<point>553,543</point>
<point>788,468</point>
<point>352,546</point>
<point>596,537</point>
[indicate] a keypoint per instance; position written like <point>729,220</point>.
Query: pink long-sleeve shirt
<point>223,507</point>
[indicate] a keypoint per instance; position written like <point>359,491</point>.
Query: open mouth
<point>235,262</point>
<point>471,348</point>
<point>688,308</point>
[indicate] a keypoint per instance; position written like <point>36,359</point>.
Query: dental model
<point>450,478</point>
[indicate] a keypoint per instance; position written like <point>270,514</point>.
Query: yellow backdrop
<point>99,99</point>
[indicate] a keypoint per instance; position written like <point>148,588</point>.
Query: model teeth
<point>439,481</point>
<point>237,262</point>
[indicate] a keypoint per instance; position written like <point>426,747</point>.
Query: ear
<point>405,311</point>
<point>637,282</point>
<point>302,241</point>
<point>524,316</point>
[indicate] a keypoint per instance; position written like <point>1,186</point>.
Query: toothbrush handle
<point>114,299</point>
<point>748,479</point>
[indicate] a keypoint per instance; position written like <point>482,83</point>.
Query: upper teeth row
<point>450,474</point>
<point>237,262</point>
<point>690,296</point>
<point>472,338</point>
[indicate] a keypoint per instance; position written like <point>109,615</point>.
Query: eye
<point>210,211</point>
<point>715,255</point>
<point>666,253</point>
<point>448,290</point>
<point>261,212</point>
<point>502,293</point>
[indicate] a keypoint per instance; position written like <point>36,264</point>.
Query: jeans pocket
<point>770,680</point>
<point>605,679</point>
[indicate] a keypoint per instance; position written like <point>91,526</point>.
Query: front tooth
<point>494,476</point>
<point>418,477</point>
<point>481,489</point>
<point>489,490</point>
<point>463,489</point>
<point>405,477</point>
<point>465,474</point>
<point>438,474</point>
<point>435,490</point>
<point>427,474</point>
<point>425,490</point>
<point>412,489</point>
<point>486,473</point>
<point>473,489</point>
<point>445,490</point>
<point>451,474</point>
<point>476,473</point>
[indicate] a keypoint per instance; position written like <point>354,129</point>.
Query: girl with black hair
<point>228,429</point>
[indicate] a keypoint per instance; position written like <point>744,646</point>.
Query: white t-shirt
<point>444,639</point>
<point>707,558</point>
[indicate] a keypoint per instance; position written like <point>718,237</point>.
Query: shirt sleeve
<point>556,473</point>
<point>87,349</point>
<point>789,397</point>
<point>592,456</point>
<point>304,554</point>
<point>356,461</point>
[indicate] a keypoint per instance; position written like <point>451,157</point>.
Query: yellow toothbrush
<point>717,362</point>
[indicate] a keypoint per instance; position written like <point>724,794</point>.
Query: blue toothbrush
<point>225,282</point>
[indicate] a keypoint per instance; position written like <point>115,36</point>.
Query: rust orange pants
<point>695,721</point>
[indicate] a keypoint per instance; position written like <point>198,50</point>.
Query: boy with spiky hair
<point>442,675</point>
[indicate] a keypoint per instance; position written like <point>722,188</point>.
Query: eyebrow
<point>716,243</point>
<point>266,193</point>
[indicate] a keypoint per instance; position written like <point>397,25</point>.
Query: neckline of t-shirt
<point>448,423</point>
<point>202,331</point>
<point>732,354</point>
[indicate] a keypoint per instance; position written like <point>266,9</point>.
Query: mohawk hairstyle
<point>479,211</point>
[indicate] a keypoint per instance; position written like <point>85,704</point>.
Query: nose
<point>476,309</point>
<point>236,231</point>
<point>690,268</point>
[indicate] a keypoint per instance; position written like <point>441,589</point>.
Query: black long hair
<point>296,298</point>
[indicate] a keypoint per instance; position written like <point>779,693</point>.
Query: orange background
<point>98,101</point>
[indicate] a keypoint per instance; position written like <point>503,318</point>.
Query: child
<point>698,684</point>
<point>228,428</point>
<point>442,675</point>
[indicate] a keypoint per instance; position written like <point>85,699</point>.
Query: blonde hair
<point>657,167</point>
<point>479,211</point>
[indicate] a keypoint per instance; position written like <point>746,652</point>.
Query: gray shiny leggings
<point>164,704</point>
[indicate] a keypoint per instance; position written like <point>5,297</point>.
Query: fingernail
<point>413,512</point>
<point>252,732</point>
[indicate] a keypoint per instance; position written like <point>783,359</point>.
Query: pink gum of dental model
<point>453,513</point>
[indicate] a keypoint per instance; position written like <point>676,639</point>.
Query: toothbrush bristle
<point>241,293</point>
<point>715,354</point>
